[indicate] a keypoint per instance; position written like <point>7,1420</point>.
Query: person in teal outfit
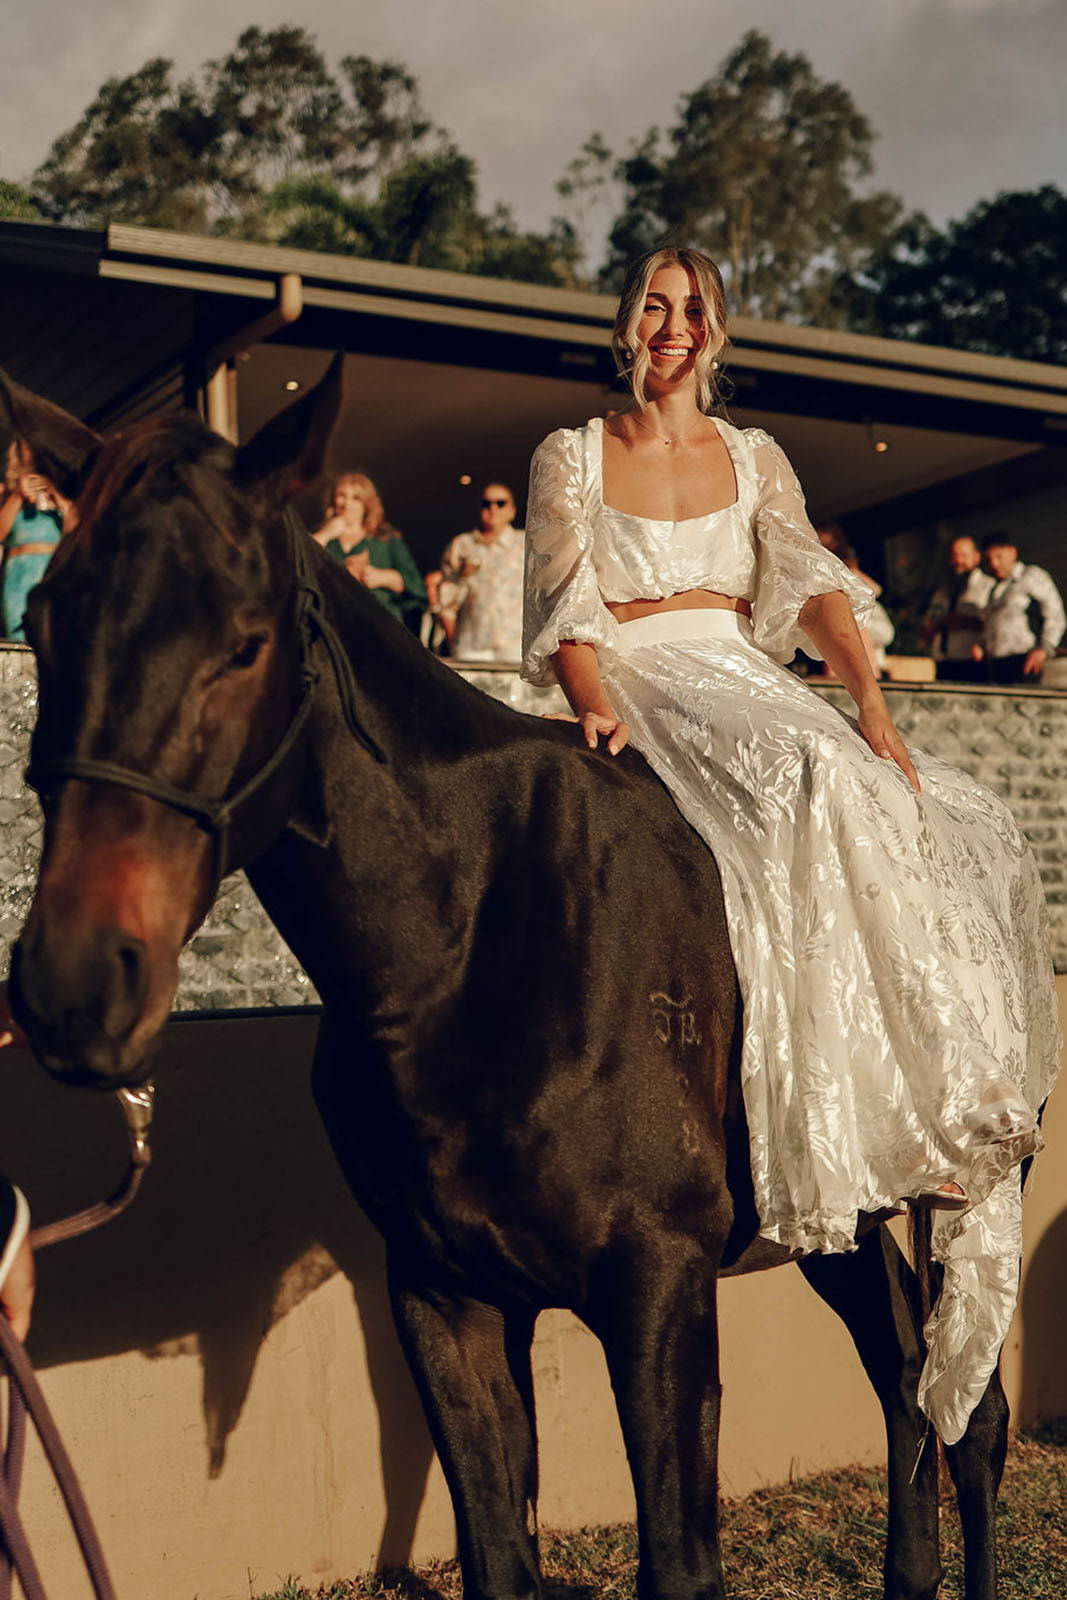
<point>358,537</point>
<point>31,525</point>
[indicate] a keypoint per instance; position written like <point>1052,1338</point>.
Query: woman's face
<point>348,504</point>
<point>672,326</point>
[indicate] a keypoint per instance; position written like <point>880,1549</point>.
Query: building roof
<point>468,373</point>
<point>237,271</point>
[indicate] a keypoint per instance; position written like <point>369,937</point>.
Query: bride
<point>886,918</point>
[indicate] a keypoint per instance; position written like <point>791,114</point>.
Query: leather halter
<point>215,814</point>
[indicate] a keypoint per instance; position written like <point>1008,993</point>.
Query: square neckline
<point>670,522</point>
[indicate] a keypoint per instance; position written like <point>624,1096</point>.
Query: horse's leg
<point>875,1293</point>
<point>472,1366</point>
<point>977,1466</point>
<point>655,1314</point>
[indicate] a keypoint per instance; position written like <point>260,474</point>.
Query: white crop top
<point>580,552</point>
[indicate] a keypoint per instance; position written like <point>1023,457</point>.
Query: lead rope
<point>25,1394</point>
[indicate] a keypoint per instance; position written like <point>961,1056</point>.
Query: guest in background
<point>877,631</point>
<point>477,592</point>
<point>1012,650</point>
<point>358,537</point>
<point>31,525</point>
<point>955,619</point>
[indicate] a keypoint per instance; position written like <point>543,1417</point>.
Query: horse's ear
<point>289,452</point>
<point>62,446</point>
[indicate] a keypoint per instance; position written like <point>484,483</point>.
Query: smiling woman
<point>899,1024</point>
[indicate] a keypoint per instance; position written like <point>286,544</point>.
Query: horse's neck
<point>376,882</point>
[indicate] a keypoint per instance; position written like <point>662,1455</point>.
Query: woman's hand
<point>594,724</point>
<point>16,1293</point>
<point>10,1032</point>
<point>383,578</point>
<point>876,726</point>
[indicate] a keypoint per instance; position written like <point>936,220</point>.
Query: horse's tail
<point>920,1241</point>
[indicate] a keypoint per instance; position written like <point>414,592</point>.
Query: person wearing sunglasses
<point>478,589</point>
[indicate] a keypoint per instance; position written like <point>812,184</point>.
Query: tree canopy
<point>767,167</point>
<point>267,143</point>
<point>761,171</point>
<point>17,202</point>
<point>995,281</point>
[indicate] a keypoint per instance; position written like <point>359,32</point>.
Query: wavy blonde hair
<point>374,511</point>
<point>631,356</point>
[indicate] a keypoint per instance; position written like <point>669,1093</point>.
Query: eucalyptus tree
<point>763,169</point>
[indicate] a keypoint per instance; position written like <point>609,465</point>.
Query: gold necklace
<point>659,436</point>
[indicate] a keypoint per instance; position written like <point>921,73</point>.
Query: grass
<point>817,1539</point>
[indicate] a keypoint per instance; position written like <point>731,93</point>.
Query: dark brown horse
<point>528,1061</point>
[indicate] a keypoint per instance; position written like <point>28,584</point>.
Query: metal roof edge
<point>385,277</point>
<point>561,305</point>
<point>242,268</point>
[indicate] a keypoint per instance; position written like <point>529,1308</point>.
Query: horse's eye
<point>248,653</point>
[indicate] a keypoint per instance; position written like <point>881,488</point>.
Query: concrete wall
<point>223,1367</point>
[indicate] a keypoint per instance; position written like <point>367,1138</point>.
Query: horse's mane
<point>136,457</point>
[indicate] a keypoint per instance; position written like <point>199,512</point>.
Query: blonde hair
<point>374,511</point>
<point>631,356</point>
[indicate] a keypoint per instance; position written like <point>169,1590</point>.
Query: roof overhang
<point>478,369</point>
<point>240,272</point>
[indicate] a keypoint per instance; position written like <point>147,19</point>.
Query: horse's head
<point>168,650</point>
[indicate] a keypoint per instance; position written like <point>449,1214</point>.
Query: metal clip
<point>137,1107</point>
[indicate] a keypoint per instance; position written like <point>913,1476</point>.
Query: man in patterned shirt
<point>1012,649</point>
<point>478,591</point>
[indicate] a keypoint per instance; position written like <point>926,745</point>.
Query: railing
<point>1013,740</point>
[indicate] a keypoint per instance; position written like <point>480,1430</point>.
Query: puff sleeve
<point>561,600</point>
<point>791,564</point>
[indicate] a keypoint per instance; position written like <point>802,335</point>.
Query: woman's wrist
<point>869,697</point>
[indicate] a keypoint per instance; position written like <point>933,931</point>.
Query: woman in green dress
<point>357,536</point>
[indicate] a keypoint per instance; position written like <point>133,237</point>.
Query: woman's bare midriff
<point>688,600</point>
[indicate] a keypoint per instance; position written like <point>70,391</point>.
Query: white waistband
<point>666,627</point>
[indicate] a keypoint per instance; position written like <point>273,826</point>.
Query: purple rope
<point>25,1395</point>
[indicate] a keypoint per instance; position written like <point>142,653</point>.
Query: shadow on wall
<point>242,1214</point>
<point>1043,1393</point>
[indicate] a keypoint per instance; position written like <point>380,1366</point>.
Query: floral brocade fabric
<point>900,1023</point>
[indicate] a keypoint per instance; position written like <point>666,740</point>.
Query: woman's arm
<point>8,511</point>
<point>828,621</point>
<point>579,678</point>
<point>383,578</point>
<point>402,575</point>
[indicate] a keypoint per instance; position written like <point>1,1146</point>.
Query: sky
<point>968,97</point>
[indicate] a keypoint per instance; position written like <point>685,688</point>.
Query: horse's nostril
<point>130,961</point>
<point>125,983</point>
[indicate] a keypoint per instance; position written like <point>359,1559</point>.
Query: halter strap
<point>215,813</point>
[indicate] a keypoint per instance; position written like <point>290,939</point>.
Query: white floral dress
<point>900,1023</point>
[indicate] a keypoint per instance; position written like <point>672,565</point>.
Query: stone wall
<point>1016,742</point>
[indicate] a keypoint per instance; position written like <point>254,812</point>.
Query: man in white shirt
<point>1012,649</point>
<point>955,618</point>
<point>478,591</point>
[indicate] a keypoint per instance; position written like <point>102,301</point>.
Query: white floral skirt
<point>900,1024</point>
